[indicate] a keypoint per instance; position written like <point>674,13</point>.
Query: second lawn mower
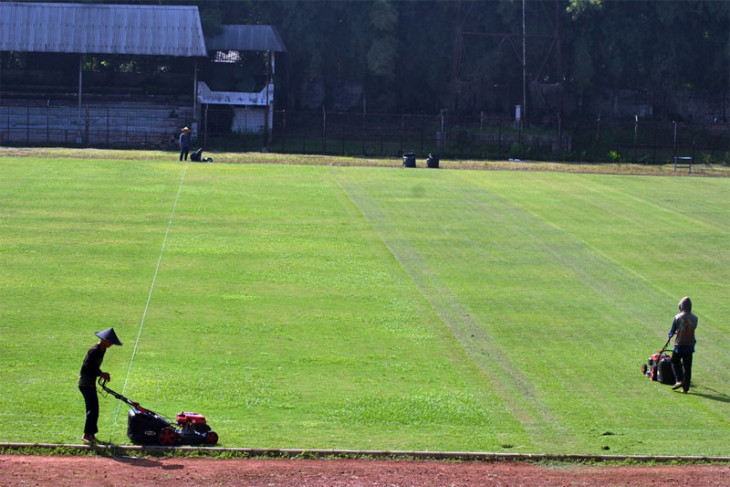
<point>659,366</point>
<point>145,427</point>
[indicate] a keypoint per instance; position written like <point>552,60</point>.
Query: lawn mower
<point>659,366</point>
<point>145,427</point>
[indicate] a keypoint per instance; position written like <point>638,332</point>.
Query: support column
<point>81,76</point>
<point>195,94</point>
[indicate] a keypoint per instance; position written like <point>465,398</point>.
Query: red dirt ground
<point>83,471</point>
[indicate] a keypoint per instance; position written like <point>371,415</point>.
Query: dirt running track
<point>83,471</point>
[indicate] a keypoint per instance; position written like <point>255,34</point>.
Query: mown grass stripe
<point>513,388</point>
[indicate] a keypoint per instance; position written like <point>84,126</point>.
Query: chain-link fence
<point>489,137</point>
<point>391,135</point>
<point>376,135</point>
<point>651,141</point>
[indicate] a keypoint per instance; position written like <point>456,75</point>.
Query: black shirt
<point>91,368</point>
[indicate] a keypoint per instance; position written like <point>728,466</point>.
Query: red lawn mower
<point>145,427</point>
<point>659,366</point>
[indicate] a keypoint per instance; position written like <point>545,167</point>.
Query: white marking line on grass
<point>149,296</point>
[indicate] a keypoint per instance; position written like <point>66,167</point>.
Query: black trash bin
<point>432,161</point>
<point>409,159</point>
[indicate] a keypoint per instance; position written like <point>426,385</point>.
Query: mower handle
<point>124,399</point>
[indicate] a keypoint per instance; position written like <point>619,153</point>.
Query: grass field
<point>365,307</point>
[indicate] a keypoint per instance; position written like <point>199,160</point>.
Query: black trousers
<point>92,409</point>
<point>184,153</point>
<point>682,368</point>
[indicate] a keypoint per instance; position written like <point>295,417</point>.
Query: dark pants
<point>184,153</point>
<point>682,368</point>
<point>92,409</point>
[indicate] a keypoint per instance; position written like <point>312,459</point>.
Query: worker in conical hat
<point>90,371</point>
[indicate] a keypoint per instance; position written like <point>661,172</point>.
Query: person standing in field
<point>90,370</point>
<point>185,137</point>
<point>683,331</point>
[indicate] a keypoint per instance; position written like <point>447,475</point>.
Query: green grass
<point>364,307</point>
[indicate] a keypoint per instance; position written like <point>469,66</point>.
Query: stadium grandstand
<point>129,75</point>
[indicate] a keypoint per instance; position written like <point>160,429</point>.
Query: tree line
<point>421,56</point>
<point>413,55</point>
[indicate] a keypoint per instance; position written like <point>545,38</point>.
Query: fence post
<point>442,139</point>
<point>653,156</point>
<point>344,134</point>
<point>480,140</point>
<point>560,136</point>
<point>324,131</point>
<point>423,132</point>
<point>402,129</point>
<point>283,128</point>
<point>636,135</point>
<point>499,139</point>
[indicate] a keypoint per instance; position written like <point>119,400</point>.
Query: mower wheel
<point>644,369</point>
<point>211,437</point>
<point>168,437</point>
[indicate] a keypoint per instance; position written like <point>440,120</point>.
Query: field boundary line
<point>345,453</point>
<point>149,295</point>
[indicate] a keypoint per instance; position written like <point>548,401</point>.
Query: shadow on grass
<point>715,396</point>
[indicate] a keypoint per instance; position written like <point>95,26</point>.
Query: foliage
<point>606,44</point>
<point>419,56</point>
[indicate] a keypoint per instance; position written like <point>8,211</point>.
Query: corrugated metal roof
<point>101,29</point>
<point>246,38</point>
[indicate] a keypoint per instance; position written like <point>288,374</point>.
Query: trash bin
<point>432,161</point>
<point>409,159</point>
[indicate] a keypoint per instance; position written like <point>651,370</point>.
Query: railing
<point>375,135</point>
<point>92,126</point>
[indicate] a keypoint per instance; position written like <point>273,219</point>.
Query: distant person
<point>90,370</point>
<point>185,137</point>
<point>683,331</point>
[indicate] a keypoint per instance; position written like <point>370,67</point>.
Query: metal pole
<point>205,126</point>
<point>636,135</point>
<point>195,87</point>
<point>324,130</point>
<point>443,134</point>
<point>78,118</point>
<point>524,64</point>
<point>81,70</point>
<point>267,113</point>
